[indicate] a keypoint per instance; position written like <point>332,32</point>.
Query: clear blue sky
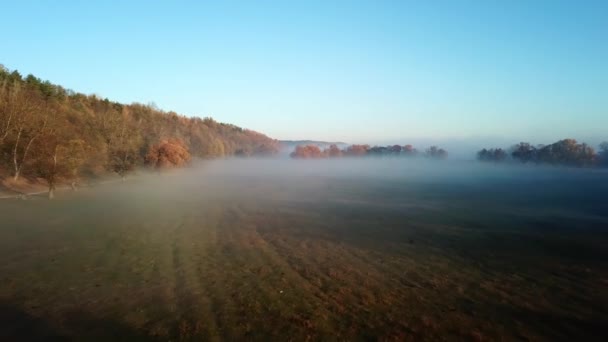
<point>356,71</point>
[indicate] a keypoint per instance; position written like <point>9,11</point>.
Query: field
<point>374,249</point>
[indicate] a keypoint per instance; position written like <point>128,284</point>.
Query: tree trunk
<point>52,178</point>
<point>19,165</point>
<point>51,192</point>
<point>15,163</point>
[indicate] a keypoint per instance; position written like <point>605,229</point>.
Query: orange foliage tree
<point>333,151</point>
<point>307,151</point>
<point>357,150</point>
<point>168,153</point>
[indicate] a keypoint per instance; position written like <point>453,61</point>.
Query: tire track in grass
<point>303,302</point>
<point>242,300</point>
<point>221,276</point>
<point>203,236</point>
<point>341,279</point>
<point>160,283</point>
<point>183,302</point>
<point>215,272</point>
<point>196,317</point>
<point>186,326</point>
<point>262,283</point>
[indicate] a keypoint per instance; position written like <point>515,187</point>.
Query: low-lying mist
<point>283,249</point>
<point>374,181</point>
<point>301,178</point>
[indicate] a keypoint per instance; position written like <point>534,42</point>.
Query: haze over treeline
<point>54,133</point>
<point>312,151</point>
<point>566,152</point>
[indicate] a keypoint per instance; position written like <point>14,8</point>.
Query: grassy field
<point>307,250</point>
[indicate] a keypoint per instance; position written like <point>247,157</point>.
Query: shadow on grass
<point>558,327</point>
<point>17,325</point>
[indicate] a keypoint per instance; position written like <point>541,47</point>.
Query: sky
<point>353,71</point>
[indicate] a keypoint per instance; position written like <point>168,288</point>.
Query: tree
<point>333,151</point>
<point>307,152</point>
<point>124,145</point>
<point>566,152</point>
<point>74,155</point>
<point>8,94</point>
<point>378,150</point>
<point>167,154</point>
<point>395,149</point>
<point>493,154</point>
<point>31,119</point>
<point>46,163</point>
<point>409,151</point>
<point>436,153</point>
<point>356,150</point>
<point>603,154</point>
<point>101,136</point>
<point>524,152</point>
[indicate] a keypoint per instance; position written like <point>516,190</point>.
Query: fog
<point>330,180</point>
<point>386,181</point>
<point>245,243</point>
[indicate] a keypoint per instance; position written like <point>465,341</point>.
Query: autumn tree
<point>356,150</point>
<point>31,116</point>
<point>73,154</point>
<point>167,154</point>
<point>566,152</point>
<point>409,151</point>
<point>46,164</point>
<point>111,137</point>
<point>307,152</point>
<point>563,152</point>
<point>9,91</point>
<point>333,151</point>
<point>124,145</point>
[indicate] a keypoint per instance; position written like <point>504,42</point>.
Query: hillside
<point>51,133</point>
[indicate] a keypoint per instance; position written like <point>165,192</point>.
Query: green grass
<point>232,256</point>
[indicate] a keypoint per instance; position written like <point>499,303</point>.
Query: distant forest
<point>312,151</point>
<point>567,152</point>
<point>53,133</point>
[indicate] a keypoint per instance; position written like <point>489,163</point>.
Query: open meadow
<point>368,249</point>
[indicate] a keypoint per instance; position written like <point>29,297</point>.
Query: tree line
<point>60,135</point>
<point>312,151</point>
<point>566,152</point>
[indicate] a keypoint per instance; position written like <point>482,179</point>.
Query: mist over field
<point>277,248</point>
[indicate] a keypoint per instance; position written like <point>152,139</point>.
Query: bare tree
<point>6,113</point>
<point>73,156</point>
<point>124,145</point>
<point>30,121</point>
